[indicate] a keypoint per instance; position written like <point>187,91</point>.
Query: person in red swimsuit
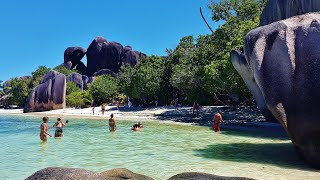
<point>217,119</point>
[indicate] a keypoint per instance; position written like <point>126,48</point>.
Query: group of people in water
<point>58,125</point>
<point>44,128</point>
<point>113,125</point>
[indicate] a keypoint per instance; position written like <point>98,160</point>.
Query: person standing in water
<point>59,125</point>
<point>103,108</point>
<point>44,129</point>
<point>112,123</point>
<point>217,119</point>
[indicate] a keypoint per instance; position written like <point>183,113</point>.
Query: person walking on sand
<point>217,119</point>
<point>103,108</point>
<point>112,123</point>
<point>44,129</point>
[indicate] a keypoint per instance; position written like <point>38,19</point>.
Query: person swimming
<point>137,127</point>
<point>59,125</point>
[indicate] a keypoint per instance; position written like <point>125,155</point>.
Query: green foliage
<point>38,74</point>
<point>74,99</point>
<point>143,81</point>
<point>64,70</point>
<point>19,90</point>
<point>72,87</point>
<point>104,89</point>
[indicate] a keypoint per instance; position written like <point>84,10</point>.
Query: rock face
<point>52,173</point>
<point>122,173</point>
<point>81,81</point>
<point>283,62</point>
<point>105,71</point>
<point>102,54</point>
<point>241,65</point>
<point>203,176</point>
<point>74,55</point>
<point>49,94</point>
<point>277,10</point>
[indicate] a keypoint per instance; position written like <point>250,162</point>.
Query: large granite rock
<point>81,81</point>
<point>283,61</point>
<point>82,68</point>
<point>74,55</point>
<point>203,176</point>
<point>49,94</point>
<point>102,54</point>
<point>277,10</point>
<point>54,173</point>
<point>105,71</point>
<point>240,64</point>
<point>122,173</point>
<point>77,79</point>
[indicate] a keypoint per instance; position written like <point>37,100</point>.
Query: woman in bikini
<point>44,129</point>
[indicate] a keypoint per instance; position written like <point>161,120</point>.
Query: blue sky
<point>37,32</point>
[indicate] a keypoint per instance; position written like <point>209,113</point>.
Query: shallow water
<point>160,150</point>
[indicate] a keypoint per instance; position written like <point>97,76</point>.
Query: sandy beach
<point>233,116</point>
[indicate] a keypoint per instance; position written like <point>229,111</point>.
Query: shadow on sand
<point>279,154</point>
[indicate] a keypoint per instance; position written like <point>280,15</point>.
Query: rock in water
<point>277,10</point>
<point>122,173</point>
<point>283,60</point>
<point>204,176</point>
<point>49,94</point>
<point>66,174</point>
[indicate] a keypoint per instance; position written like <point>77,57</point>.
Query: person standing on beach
<point>112,123</point>
<point>103,108</point>
<point>118,104</point>
<point>44,129</point>
<point>93,108</point>
<point>217,119</point>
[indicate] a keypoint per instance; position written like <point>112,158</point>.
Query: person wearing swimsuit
<point>112,123</point>
<point>44,129</point>
<point>58,125</point>
<point>217,119</point>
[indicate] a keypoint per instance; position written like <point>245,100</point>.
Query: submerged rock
<point>52,173</point>
<point>49,94</point>
<point>122,173</point>
<point>204,176</point>
<point>283,65</point>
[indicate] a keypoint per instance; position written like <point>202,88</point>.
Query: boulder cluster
<point>116,174</point>
<point>103,57</point>
<point>281,67</point>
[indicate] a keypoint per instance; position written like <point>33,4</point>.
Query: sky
<point>37,32</point>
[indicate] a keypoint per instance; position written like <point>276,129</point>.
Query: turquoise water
<point>160,150</point>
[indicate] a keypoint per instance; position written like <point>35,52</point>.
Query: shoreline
<point>233,116</point>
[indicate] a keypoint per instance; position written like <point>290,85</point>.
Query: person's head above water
<point>58,119</point>
<point>45,119</point>
<point>111,115</point>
